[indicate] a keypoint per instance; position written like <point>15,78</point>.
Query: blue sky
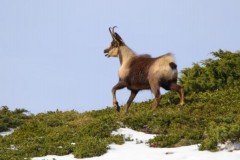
<point>51,51</point>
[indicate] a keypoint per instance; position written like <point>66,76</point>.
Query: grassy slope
<point>207,118</point>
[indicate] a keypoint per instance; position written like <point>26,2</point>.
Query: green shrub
<point>117,139</point>
<point>213,74</point>
<point>165,140</point>
<point>12,119</point>
<point>89,147</point>
<point>3,127</point>
<point>219,133</point>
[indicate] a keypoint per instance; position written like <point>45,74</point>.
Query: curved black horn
<point>110,29</point>
<point>112,34</point>
<point>113,29</point>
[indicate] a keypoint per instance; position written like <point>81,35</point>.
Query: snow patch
<point>132,135</point>
<point>141,151</point>
<point>11,130</point>
<point>230,146</point>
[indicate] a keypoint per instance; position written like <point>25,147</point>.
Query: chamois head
<point>112,50</point>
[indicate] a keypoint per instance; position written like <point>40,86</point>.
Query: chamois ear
<point>119,38</point>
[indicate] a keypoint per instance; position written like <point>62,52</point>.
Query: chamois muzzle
<point>106,50</point>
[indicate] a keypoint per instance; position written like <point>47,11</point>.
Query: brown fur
<point>138,72</point>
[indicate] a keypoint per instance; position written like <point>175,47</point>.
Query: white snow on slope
<point>133,150</point>
<point>11,130</point>
<point>133,135</point>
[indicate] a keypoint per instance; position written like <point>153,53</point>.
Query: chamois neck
<point>125,53</point>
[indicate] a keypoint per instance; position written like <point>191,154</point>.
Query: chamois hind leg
<point>119,85</point>
<point>156,91</point>
<point>179,89</point>
<point>131,98</point>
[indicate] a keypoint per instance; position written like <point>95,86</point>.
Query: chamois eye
<point>114,45</point>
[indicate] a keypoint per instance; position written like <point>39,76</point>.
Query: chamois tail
<point>173,65</point>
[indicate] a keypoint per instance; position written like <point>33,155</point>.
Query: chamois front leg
<point>119,85</point>
<point>131,98</point>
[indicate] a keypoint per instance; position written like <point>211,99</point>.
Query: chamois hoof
<point>118,108</point>
<point>115,104</point>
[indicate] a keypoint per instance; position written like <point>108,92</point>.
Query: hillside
<point>210,116</point>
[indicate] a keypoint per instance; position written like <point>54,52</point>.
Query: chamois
<point>139,72</point>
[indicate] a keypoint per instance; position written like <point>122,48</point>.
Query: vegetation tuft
<point>11,119</point>
<point>210,116</point>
